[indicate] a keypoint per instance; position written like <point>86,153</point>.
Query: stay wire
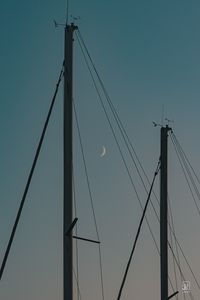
<point>116,141</point>
<point>86,170</point>
<point>90,195</point>
<point>176,246</point>
<point>117,118</point>
<point>197,209</point>
<point>101,101</point>
<point>109,122</point>
<point>138,232</point>
<point>172,243</point>
<point>172,231</point>
<point>177,260</point>
<point>175,238</point>
<point>184,172</point>
<point>186,165</point>
<point>31,174</point>
<point>186,260</point>
<point>124,132</point>
<point>146,189</point>
<point>119,124</point>
<point>76,230</point>
<point>178,143</point>
<point>79,292</point>
<point>190,294</point>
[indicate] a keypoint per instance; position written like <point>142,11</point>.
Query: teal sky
<point>147,53</point>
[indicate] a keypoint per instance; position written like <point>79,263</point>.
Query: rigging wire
<point>158,203</point>
<point>176,246</point>
<point>187,165</point>
<point>157,214</point>
<point>91,197</point>
<point>171,226</point>
<point>184,172</point>
<point>118,121</point>
<point>190,294</point>
<point>119,148</point>
<point>86,171</point>
<point>195,174</point>
<point>78,286</point>
<point>76,230</point>
<point>194,276</point>
<point>188,170</point>
<point>101,101</point>
<point>115,114</point>
<point>158,200</point>
<point>122,127</point>
<point>181,249</point>
<point>176,150</point>
<point>115,138</point>
<point>138,232</point>
<point>31,174</point>
<point>172,243</point>
<point>177,260</point>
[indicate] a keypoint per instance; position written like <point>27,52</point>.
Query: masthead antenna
<point>169,121</point>
<point>67,13</point>
<point>162,114</point>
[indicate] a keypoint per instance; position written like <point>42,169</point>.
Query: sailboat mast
<point>68,157</point>
<point>163,214</point>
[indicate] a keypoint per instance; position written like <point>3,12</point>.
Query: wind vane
<point>58,24</point>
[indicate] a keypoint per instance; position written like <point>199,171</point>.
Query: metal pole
<point>68,141</point>
<point>163,215</point>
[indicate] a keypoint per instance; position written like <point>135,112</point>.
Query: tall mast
<point>163,215</point>
<point>68,156</point>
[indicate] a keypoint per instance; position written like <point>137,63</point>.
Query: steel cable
<point>30,175</point>
<point>91,197</point>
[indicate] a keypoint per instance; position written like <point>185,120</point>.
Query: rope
<point>190,294</point>
<point>186,163</point>
<point>76,242</point>
<point>137,235</point>
<point>116,141</point>
<point>124,134</point>
<point>176,244</point>
<point>78,287</point>
<point>91,198</point>
<point>184,172</point>
<point>197,178</point>
<point>30,175</point>
<point>176,150</point>
<point>119,122</point>
<point>172,243</point>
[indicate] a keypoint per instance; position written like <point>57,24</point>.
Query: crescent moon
<point>103,151</point>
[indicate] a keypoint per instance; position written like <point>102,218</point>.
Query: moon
<point>103,151</point>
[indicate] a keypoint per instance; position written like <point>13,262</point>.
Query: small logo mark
<point>186,286</point>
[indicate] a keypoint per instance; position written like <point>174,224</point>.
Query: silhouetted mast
<point>68,156</point>
<point>163,215</point>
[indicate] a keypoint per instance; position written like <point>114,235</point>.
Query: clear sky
<point>147,53</point>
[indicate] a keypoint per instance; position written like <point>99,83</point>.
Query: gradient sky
<point>147,53</point>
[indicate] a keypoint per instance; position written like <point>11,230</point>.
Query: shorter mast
<point>68,158</point>
<point>163,214</point>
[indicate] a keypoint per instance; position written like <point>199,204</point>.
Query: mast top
<point>72,26</point>
<point>162,127</point>
<point>167,127</point>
